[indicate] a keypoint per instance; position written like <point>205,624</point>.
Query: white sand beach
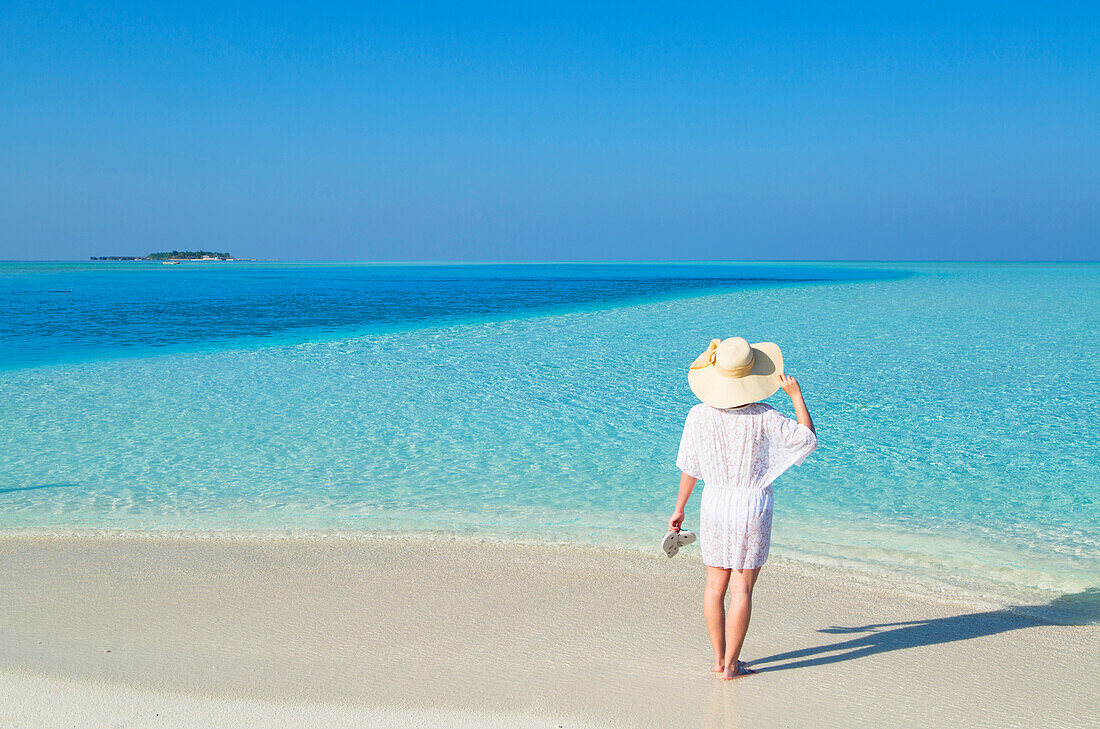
<point>175,631</point>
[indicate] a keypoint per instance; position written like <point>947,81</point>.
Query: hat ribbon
<point>707,359</point>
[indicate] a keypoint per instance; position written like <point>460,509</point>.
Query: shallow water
<point>953,406</point>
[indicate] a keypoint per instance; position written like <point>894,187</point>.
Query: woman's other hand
<point>675,521</point>
<point>790,386</point>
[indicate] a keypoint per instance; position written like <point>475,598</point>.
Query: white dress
<point>737,453</point>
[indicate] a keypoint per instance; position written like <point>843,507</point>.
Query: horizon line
<point>514,262</point>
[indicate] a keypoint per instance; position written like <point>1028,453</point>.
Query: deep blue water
<point>67,311</point>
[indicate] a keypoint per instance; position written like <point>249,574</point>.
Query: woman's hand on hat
<point>790,386</point>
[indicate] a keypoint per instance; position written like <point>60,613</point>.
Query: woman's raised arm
<point>794,390</point>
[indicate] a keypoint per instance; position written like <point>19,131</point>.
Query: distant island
<point>172,256</point>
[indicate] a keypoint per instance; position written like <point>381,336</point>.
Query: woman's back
<point>746,447</point>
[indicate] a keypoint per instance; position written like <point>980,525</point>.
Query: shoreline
<point>368,631</point>
<point>918,585</point>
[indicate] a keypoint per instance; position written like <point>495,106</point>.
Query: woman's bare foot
<point>718,667</point>
<point>740,670</point>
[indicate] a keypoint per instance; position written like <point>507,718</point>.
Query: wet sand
<point>175,631</point>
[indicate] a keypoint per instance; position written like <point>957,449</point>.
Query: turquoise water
<point>955,404</point>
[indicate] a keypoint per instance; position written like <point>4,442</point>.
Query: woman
<point>737,445</point>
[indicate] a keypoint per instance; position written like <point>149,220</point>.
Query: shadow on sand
<point>13,489</point>
<point>1081,608</point>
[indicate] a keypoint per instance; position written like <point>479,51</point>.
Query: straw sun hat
<point>733,372</point>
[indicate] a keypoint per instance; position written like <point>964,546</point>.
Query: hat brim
<point>720,391</point>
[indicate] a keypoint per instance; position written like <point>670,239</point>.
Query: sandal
<point>674,540</point>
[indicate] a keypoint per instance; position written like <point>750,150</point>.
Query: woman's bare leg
<point>714,610</point>
<point>737,621</point>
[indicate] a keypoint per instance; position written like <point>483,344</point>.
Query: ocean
<point>956,405</point>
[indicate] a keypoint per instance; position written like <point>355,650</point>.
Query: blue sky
<point>558,131</point>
